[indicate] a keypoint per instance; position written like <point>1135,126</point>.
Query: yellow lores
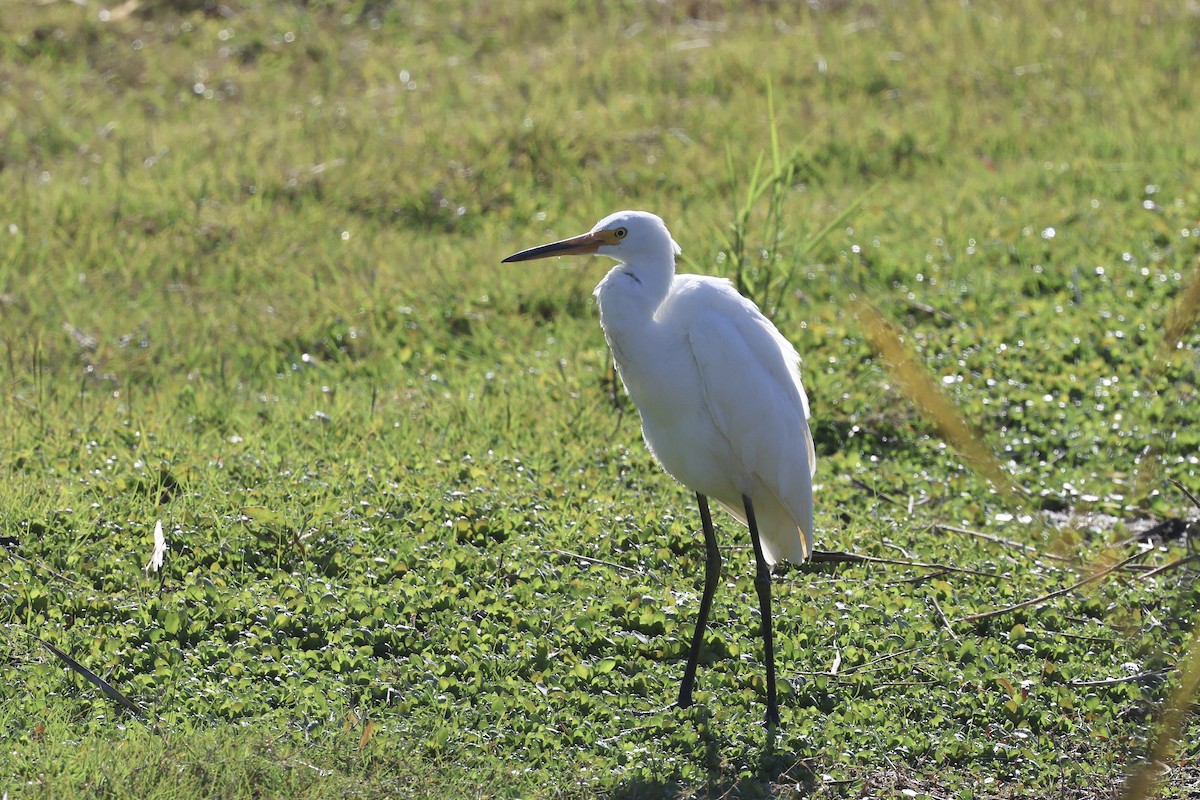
<point>718,389</point>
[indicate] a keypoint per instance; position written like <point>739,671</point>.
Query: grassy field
<point>250,288</point>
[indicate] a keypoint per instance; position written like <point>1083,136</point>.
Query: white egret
<point>719,392</point>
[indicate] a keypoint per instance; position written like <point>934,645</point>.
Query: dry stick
<point>1145,536</point>
<point>906,684</point>
<point>1141,676</point>
<point>1188,537</point>
<point>1058,593</point>
<point>40,565</point>
<point>928,576</point>
<point>1167,567</point>
<point>871,490</point>
<point>604,563</point>
<point>841,557</point>
<point>988,537</point>
<point>1147,570</point>
<point>938,608</point>
<point>925,308</point>
<point>941,526</point>
<point>863,667</point>
<point>1186,493</point>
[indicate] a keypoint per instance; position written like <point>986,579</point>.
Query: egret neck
<point>631,294</point>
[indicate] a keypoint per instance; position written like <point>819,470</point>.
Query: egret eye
<point>620,233</point>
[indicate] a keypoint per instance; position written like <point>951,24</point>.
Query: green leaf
<point>264,516</point>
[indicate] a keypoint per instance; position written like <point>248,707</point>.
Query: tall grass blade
<point>1182,317</point>
<point>95,679</point>
<point>1180,321</point>
<point>758,276</point>
<point>1145,779</point>
<point>920,388</point>
<point>1143,783</point>
<point>811,242</point>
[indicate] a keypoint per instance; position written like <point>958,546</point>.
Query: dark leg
<point>762,582</point>
<point>712,574</point>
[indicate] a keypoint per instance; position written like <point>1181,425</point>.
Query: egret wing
<point>751,384</point>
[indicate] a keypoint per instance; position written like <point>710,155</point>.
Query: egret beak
<point>587,244</point>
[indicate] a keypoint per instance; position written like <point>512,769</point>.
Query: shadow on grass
<point>760,775</point>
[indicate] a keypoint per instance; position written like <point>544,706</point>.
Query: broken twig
<point>602,562</point>
<point>1047,597</point>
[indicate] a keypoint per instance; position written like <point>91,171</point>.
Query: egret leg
<point>712,574</point>
<point>762,583</point>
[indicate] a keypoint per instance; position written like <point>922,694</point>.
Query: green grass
<point>250,287</point>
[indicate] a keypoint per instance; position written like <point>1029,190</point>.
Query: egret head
<point>627,236</point>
